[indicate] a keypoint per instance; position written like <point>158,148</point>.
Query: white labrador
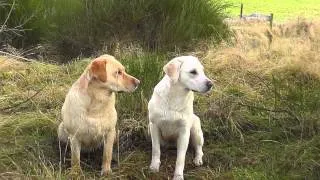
<point>171,116</point>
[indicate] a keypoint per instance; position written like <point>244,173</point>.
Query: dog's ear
<point>172,69</point>
<point>98,69</point>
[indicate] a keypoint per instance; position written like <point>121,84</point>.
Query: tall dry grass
<point>268,79</point>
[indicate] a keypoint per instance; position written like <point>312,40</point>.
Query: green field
<point>282,10</point>
<point>260,122</point>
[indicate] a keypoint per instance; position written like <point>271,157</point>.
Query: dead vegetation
<point>10,64</point>
<point>261,121</point>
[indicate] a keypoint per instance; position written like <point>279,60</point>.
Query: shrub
<point>22,22</point>
<point>77,27</point>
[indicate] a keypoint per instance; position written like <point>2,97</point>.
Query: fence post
<point>271,20</point>
<point>241,10</point>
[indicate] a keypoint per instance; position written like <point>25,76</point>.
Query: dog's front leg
<point>197,140</point>
<point>75,155</point>
<point>182,146</point>
<point>107,152</point>
<point>155,137</point>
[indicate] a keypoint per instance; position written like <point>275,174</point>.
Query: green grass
<point>282,10</point>
<point>77,27</point>
<point>260,122</point>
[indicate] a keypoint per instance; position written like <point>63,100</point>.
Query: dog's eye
<point>194,72</point>
<point>119,72</point>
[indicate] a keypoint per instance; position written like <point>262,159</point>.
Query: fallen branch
<point>23,102</point>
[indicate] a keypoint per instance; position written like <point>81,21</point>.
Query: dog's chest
<point>170,128</point>
<point>171,123</point>
<point>101,116</point>
<point>95,128</point>
<point>101,122</point>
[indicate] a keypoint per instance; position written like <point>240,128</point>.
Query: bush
<point>77,27</point>
<point>22,22</point>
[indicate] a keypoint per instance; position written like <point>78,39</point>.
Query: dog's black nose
<point>209,84</point>
<point>135,82</point>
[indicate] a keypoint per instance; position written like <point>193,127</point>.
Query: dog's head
<point>106,72</point>
<point>188,71</point>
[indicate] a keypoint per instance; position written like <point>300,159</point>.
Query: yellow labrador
<point>89,114</point>
<point>171,114</point>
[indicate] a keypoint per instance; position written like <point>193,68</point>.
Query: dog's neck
<point>175,94</point>
<point>92,89</point>
<point>98,92</point>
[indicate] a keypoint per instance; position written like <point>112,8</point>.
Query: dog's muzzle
<point>208,85</point>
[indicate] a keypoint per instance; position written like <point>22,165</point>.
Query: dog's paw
<point>105,171</point>
<point>178,177</point>
<point>154,166</point>
<point>197,161</point>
